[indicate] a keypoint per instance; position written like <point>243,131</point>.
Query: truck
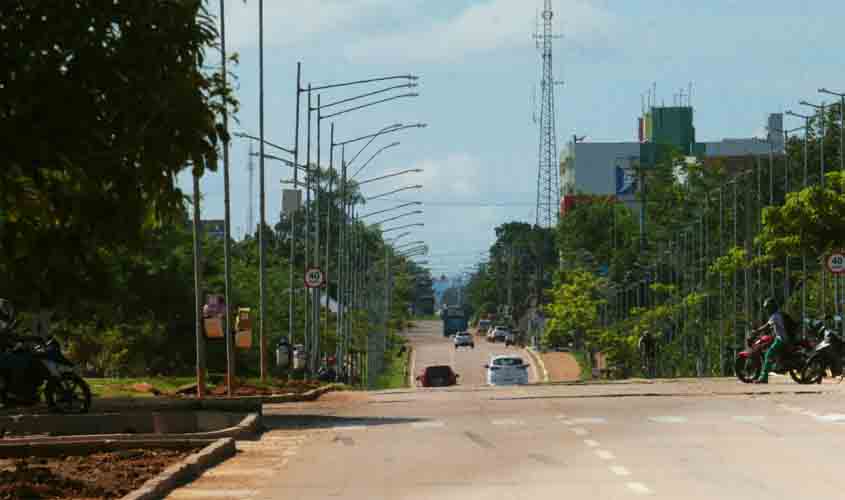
<point>454,320</point>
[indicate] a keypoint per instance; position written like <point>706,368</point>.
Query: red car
<point>438,376</point>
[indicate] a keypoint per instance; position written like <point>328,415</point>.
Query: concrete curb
<point>538,360</point>
<point>250,426</point>
<point>83,447</point>
<point>183,472</point>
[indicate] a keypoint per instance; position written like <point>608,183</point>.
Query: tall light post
<point>227,222</point>
<point>820,108</point>
<point>841,161</point>
<point>807,119</point>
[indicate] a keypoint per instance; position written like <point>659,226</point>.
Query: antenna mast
<point>548,176</point>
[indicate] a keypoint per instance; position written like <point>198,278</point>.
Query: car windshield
<point>507,362</point>
<point>438,371</point>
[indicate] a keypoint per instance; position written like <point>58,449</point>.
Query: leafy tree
<point>115,102</point>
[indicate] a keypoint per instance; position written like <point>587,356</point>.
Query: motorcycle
<point>827,357</point>
<point>793,359</point>
<point>30,366</point>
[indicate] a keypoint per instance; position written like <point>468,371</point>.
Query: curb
<point>538,360</point>
<point>180,473</point>
<point>249,426</point>
<point>412,366</point>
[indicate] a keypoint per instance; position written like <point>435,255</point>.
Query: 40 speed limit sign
<point>314,278</point>
<point>836,262</point>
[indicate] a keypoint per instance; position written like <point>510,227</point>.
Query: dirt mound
<point>96,477</point>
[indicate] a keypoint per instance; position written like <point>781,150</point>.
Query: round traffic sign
<point>836,262</point>
<point>314,278</point>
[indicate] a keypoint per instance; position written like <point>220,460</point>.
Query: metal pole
<point>262,208</point>
<point>292,295</point>
<point>823,277</point>
<point>786,164</point>
<point>198,291</point>
<point>227,227</point>
<point>341,305</point>
<point>329,206</point>
<point>721,288</point>
<point>309,294</point>
<point>771,203</point>
<point>803,252</point>
<point>317,302</point>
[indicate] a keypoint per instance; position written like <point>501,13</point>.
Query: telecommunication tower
<point>548,176</point>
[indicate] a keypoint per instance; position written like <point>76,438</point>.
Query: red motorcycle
<point>792,360</point>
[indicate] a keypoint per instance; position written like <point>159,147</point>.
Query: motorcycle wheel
<point>68,394</point>
<point>747,369</point>
<point>813,373</point>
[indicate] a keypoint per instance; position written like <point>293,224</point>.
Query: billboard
<point>626,182</point>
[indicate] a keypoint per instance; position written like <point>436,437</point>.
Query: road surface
<point>679,439</point>
<point>431,348</point>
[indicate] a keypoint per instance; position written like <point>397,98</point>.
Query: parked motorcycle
<point>30,366</point>
<point>793,359</point>
<point>827,357</point>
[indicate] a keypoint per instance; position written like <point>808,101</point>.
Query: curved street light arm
<point>368,94</point>
<point>388,176</point>
<point>406,188</point>
<point>417,224</point>
<point>367,105</point>
<point>406,214</point>
<point>397,207</point>
<point>369,80</point>
<point>265,141</point>
<point>391,145</point>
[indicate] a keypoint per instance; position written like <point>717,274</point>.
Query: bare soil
<point>561,366</point>
<point>95,477</point>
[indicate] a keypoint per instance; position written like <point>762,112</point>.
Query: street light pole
<point>262,208</point>
<point>227,221</point>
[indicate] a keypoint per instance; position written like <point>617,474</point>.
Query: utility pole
<point>227,223</point>
<point>198,289</point>
<point>262,209</point>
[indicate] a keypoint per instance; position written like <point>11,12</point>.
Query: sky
<point>479,68</point>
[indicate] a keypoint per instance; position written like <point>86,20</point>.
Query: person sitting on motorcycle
<point>778,327</point>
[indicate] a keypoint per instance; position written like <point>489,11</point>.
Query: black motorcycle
<point>827,357</point>
<point>30,366</point>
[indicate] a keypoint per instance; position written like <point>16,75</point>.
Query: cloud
<point>289,22</point>
<point>484,27</point>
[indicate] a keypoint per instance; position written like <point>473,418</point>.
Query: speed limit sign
<point>314,278</point>
<point>836,262</point>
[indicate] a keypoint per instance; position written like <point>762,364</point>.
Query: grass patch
<point>122,387</point>
<point>585,363</point>
<point>395,374</point>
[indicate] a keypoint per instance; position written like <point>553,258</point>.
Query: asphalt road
<point>680,439</point>
<point>431,348</point>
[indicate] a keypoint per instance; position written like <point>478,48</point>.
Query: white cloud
<point>288,22</point>
<point>485,26</point>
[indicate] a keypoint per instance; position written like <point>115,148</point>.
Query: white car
<point>464,339</point>
<point>507,370</point>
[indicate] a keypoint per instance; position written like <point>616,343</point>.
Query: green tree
<point>115,101</point>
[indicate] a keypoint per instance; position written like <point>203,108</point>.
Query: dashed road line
<point>605,454</point>
<point>668,419</point>
<point>749,419</point>
<point>591,443</point>
<point>589,420</point>
<point>428,425</point>
<point>507,421</point>
<point>639,488</point>
<point>834,417</point>
<point>620,470</point>
<point>580,431</point>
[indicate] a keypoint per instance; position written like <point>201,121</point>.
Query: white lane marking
<point>619,470</point>
<point>605,455</point>
<point>289,453</point>
<point>203,493</point>
<point>580,431</point>
<point>339,428</point>
<point>568,422</point>
<point>749,419</point>
<point>834,417</point>
<point>639,488</point>
<point>428,425</point>
<point>591,443</point>
<point>668,419</point>
<point>561,417</point>
<point>507,421</point>
<point>590,420</point>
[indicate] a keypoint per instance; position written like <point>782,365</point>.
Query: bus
<point>454,320</point>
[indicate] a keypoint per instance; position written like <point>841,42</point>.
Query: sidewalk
<point>561,366</point>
